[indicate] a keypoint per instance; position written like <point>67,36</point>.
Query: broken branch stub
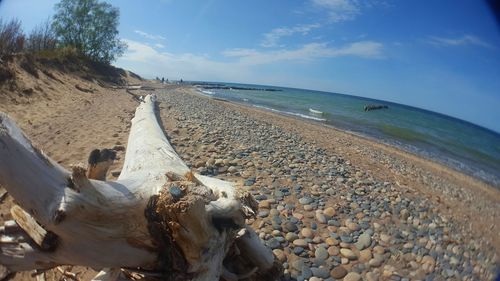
<point>158,217</point>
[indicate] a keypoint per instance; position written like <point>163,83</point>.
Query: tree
<point>11,37</point>
<point>42,37</point>
<point>91,27</point>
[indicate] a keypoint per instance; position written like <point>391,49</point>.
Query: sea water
<point>461,145</point>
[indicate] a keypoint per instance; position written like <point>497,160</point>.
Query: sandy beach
<point>332,206</point>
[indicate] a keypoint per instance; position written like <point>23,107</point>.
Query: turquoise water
<point>453,142</point>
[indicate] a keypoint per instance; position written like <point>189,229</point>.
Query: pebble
<point>290,227</point>
<point>352,276</point>
<point>347,253</point>
<point>321,253</point>
<point>280,255</point>
<point>273,243</point>
<point>300,243</point>
<point>329,212</point>
<point>290,236</point>
<point>365,255</point>
<point>333,251</point>
<point>320,272</point>
<point>307,232</point>
<point>375,262</point>
<point>338,272</point>
<point>364,241</point>
<point>352,226</point>
<point>321,218</point>
<point>305,200</point>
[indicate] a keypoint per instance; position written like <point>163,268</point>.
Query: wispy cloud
<point>272,38</point>
<point>238,65</point>
<point>345,10</point>
<point>364,49</point>
<point>340,10</point>
<point>464,40</point>
<point>149,61</point>
<point>158,45</point>
<point>149,36</point>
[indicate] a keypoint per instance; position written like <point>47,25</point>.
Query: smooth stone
<point>298,264</point>
<point>379,250</point>
<point>320,272</point>
<point>175,191</point>
<point>375,262</point>
<point>321,218</point>
<point>352,226</point>
<point>290,227</point>
<point>265,204</point>
<point>300,243</point>
<point>273,243</point>
<point>305,200</point>
<point>280,255</point>
<point>290,236</point>
<point>348,253</point>
<point>385,238</point>
<point>263,213</point>
<point>329,212</point>
<point>364,241</point>
<point>331,241</point>
<point>365,255</point>
<point>333,251</point>
<point>338,272</point>
<point>352,276</point>
<point>321,253</point>
<point>298,250</point>
<point>306,272</point>
<point>307,232</point>
<point>370,276</point>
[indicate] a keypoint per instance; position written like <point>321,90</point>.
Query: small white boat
<point>314,111</point>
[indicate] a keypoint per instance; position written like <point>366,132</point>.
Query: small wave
<point>291,113</point>
<point>245,100</point>
<point>314,111</point>
<point>208,92</point>
<point>205,92</point>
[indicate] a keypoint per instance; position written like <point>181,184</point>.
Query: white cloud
<point>271,38</point>
<point>150,62</point>
<point>239,65</point>
<point>149,36</point>
<point>158,45</point>
<point>345,10</point>
<point>340,10</point>
<point>364,49</point>
<point>458,41</point>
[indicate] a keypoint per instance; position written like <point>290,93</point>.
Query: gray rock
<point>364,241</point>
<point>321,253</point>
<point>320,272</point>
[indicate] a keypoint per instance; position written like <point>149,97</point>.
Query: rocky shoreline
<point>324,214</point>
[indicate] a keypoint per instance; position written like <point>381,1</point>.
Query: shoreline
<point>302,172</point>
<point>451,181</point>
<point>486,186</point>
<point>493,182</point>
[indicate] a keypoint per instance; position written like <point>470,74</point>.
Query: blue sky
<point>438,55</point>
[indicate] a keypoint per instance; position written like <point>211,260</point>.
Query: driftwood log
<point>157,220</point>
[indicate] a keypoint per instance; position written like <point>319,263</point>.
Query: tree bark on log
<point>158,218</point>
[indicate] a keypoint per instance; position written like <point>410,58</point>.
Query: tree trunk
<point>158,218</point>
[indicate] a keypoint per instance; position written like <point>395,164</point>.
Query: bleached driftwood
<point>157,218</point>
